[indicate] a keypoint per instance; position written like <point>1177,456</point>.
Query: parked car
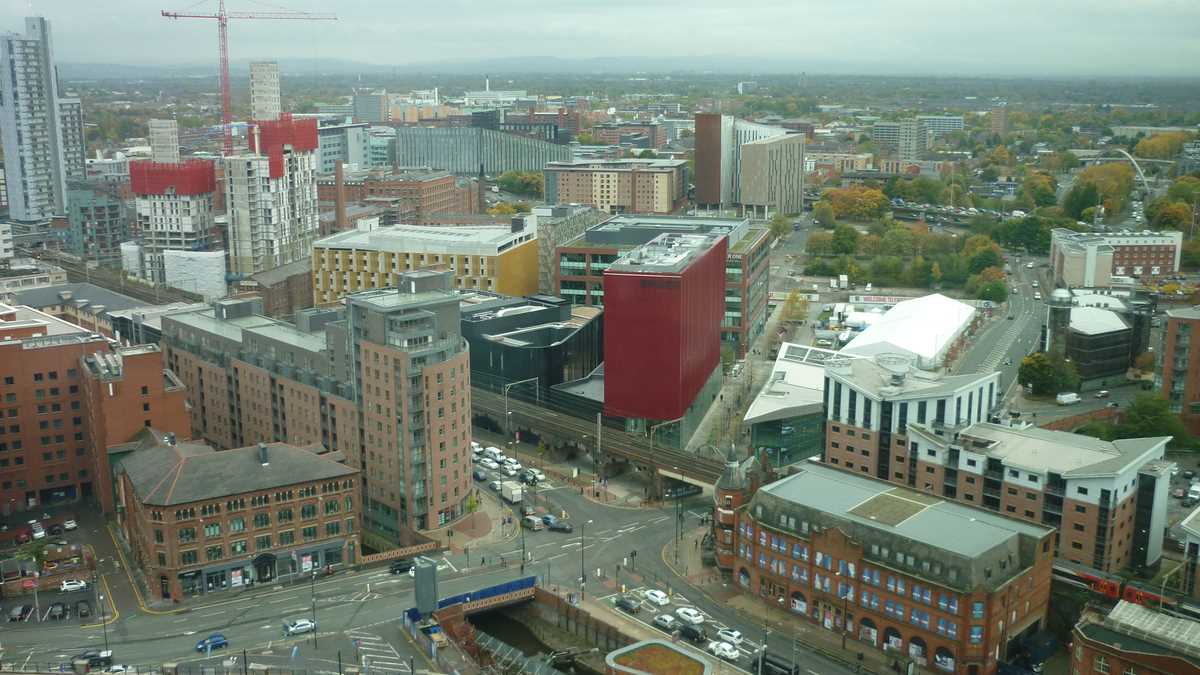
<point>508,470</point>
<point>495,485</point>
<point>69,585</point>
<point>733,637</point>
<point>512,461</point>
<point>56,530</point>
<point>1189,474</point>
<point>658,597</point>
<point>401,566</point>
<point>58,611</point>
<point>694,634</point>
<point>489,463</point>
<point>212,642</point>
<point>629,604</point>
<point>298,627</point>
<point>70,525</point>
<point>95,657</point>
<point>723,650</point>
<point>527,510</point>
<point>666,622</point>
<point>1178,493</point>
<point>538,476</point>
<point>20,612</point>
<point>690,615</point>
<point>1103,393</point>
<point>83,609</point>
<point>480,474</point>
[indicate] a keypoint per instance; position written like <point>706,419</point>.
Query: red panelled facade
<point>272,135</point>
<point>193,177</point>
<point>662,336</point>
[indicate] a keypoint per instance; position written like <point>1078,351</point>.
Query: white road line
<point>445,560</point>
<point>556,557</point>
<point>569,544</point>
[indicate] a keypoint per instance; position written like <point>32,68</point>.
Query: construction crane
<point>223,18</point>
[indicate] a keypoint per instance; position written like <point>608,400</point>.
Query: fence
<point>399,553</point>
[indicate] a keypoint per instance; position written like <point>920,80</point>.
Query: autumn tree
<point>1040,188</point>
<point>502,209</point>
<point>1081,196</point>
<point>780,225</point>
<point>1113,180</point>
<point>1162,146</point>
<point>1163,213</point>
<point>857,202</point>
<point>845,240</point>
<point>819,243</point>
<point>522,182</point>
<point>823,215</point>
<point>1185,189</point>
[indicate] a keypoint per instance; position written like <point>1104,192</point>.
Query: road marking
<point>556,557</point>
<point>201,616</point>
<point>447,561</point>
<point>569,544</point>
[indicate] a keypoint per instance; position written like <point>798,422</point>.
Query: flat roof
<point>1191,524</point>
<point>669,253</point>
<point>1192,312</point>
<point>1072,455</point>
<point>1095,320</point>
<point>485,240</point>
<point>875,376</point>
<point>922,327</point>
<point>28,316</point>
<point>1135,628</point>
<point>927,520</point>
<point>624,163</point>
<point>796,385</point>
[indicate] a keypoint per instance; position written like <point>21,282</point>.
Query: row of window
<point>259,501</point>
<point>261,543</point>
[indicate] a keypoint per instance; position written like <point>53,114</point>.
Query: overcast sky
<point>984,37</point>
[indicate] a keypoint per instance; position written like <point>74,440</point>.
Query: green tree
<point>996,291</point>
<point>1149,416</point>
<point>823,215</point>
<point>984,259</point>
<point>845,240</point>
<point>819,243</point>
<point>1048,374</point>
<point>899,241</point>
<point>1185,189</point>
<point>522,182</point>
<point>779,226</point>
<point>1082,195</point>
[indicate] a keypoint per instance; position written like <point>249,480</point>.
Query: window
<point>333,529</point>
<point>214,552</point>
<point>308,511</point>
<point>976,610</point>
<point>187,534</point>
<point>976,635</point>
<point>309,533</point>
<point>1081,490</point>
<point>287,537</point>
<point>331,506</point>
<point>262,543</point>
<point>284,516</point>
<point>262,519</point>
<point>158,536</point>
<point>1101,664</point>
<point>237,547</point>
<point>237,524</point>
<point>188,558</point>
<point>212,530</point>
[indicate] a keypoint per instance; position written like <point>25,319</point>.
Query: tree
<point>503,209</point>
<point>1173,215</point>
<point>845,240</point>
<point>857,202</point>
<point>1185,189</point>
<point>795,308</point>
<point>819,243</point>
<point>1149,416</point>
<point>586,138</point>
<point>935,273</point>
<point>1048,374</point>
<point>1081,196</point>
<point>1040,188</point>
<point>1162,146</point>
<point>779,226</point>
<point>985,259</point>
<point>1114,181</point>
<point>1144,362</point>
<point>996,291</point>
<point>522,182</point>
<point>898,241</point>
<point>823,215</point>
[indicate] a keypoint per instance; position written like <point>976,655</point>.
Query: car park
<point>629,604</point>
<point>723,650</point>
<point>658,597</point>
<point>214,641</point>
<point>298,627</point>
<point>69,585</point>
<point>58,611</point>
<point>733,637</point>
<point>690,615</point>
<point>666,622</point>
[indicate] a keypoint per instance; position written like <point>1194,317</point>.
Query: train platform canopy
<point>923,329</point>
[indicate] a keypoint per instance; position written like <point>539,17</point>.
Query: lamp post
<point>678,519</point>
<point>100,609</point>
<point>312,587</point>
<point>524,556</point>
<point>582,565</point>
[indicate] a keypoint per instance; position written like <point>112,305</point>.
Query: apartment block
<point>97,221</point>
<point>940,125</point>
<point>341,140</point>
<point>1091,259</point>
<point>773,175</point>
<point>164,141</point>
<point>931,433</point>
<point>1178,363</point>
<point>719,143</point>
<point>202,520</point>
<point>581,262</point>
<point>619,185</point>
<point>953,588</point>
<point>384,378</point>
<point>264,91</point>
<point>500,258</point>
<point>62,409</point>
<point>271,196</point>
<point>174,212</point>
<point>616,133</point>
<point>417,195</point>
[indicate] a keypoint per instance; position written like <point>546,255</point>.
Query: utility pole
<point>313,589</point>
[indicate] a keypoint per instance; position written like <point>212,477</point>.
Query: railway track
<point>615,442</point>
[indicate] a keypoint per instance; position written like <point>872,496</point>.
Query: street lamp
<point>678,518</point>
<point>312,586</point>
<point>582,566</point>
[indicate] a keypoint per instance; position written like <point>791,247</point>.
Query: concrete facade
<point>773,175</point>
<point>264,91</point>
<point>1091,259</point>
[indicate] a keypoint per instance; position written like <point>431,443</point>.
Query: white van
<point>492,452</point>
<point>1194,491</point>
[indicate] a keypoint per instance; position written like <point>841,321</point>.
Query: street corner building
<point>199,520</point>
<point>943,585</point>
<point>1131,638</point>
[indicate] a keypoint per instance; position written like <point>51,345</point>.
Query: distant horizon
<point>1019,38</point>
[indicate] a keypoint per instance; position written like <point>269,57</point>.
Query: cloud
<point>985,37</point>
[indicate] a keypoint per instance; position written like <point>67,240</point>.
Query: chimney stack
<point>339,178</point>
<point>262,454</point>
<point>481,192</point>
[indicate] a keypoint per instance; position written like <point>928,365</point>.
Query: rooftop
<point>923,327</point>
<point>1134,628</point>
<point>655,657</point>
<point>893,376</point>
<point>80,295</point>
<point>1191,524</point>
<point>484,240</point>
<point>796,385</point>
<point>627,231</point>
<point>280,274</point>
<point>611,164</point>
<point>1071,455</point>
<point>665,254</point>
<point>44,324</point>
<point>1189,313</point>
<point>166,475</point>
<point>951,529</point>
<point>1095,321</point>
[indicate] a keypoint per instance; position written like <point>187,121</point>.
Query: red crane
<point>223,18</point>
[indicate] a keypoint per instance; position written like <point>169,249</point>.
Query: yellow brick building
<point>499,258</point>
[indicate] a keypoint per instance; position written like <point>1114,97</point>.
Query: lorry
<point>511,491</point>
<point>1067,398</point>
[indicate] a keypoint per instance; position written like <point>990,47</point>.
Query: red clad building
<point>663,305</point>
<point>193,177</point>
<point>271,136</point>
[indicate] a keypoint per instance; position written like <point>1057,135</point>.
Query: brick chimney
<point>339,180</point>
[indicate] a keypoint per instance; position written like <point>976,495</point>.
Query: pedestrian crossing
<point>377,655</point>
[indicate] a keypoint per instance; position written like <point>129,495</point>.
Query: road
<point>365,606</point>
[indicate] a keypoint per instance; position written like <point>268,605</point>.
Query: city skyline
<point>937,38</point>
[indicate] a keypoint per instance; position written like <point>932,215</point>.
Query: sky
<point>961,37</point>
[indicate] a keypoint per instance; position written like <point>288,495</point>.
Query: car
<point>20,612</point>
<point>298,627</point>
<point>508,470</point>
<point>1189,474</point>
<point>690,615</point>
<point>560,526</point>
<point>119,669</point>
<point>1034,284</point>
<point>1103,393</point>
<point>537,474</point>
<point>1028,266</point>
<point>1178,493</point>
<point>666,622</point>
<point>69,585</point>
<point>39,533</point>
<point>1011,317</point>
<point>479,474</point>
<point>214,641</point>
<point>55,530</point>
<point>693,634</point>
<point>495,485</point>
<point>527,510</point>
<point>94,657</point>
<point>628,604</point>
<point>401,566</point>
<point>1037,296</point>
<point>549,519</point>
<point>1189,502</point>
<point>510,461</point>
<point>489,463</point>
<point>658,597</point>
<point>83,609</point>
<point>58,611</point>
<point>733,637</point>
<point>723,650</point>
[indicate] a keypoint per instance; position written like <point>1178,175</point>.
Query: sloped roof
<point>1094,320</point>
<point>922,326</point>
